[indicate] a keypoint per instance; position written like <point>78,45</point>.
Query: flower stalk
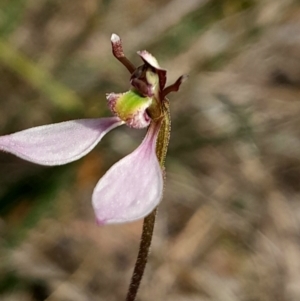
<point>149,221</point>
<point>159,113</point>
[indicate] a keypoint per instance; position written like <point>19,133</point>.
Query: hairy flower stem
<point>149,221</point>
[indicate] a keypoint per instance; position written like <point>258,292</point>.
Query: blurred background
<point>228,227</point>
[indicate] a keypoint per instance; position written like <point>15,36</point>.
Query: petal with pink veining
<point>58,143</point>
<point>132,187</point>
<point>131,108</point>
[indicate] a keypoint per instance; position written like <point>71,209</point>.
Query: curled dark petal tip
<point>184,77</point>
<point>116,44</point>
<point>115,38</point>
<point>175,86</point>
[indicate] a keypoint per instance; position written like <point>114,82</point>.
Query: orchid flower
<point>132,187</point>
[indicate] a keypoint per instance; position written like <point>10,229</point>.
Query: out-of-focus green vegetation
<point>228,226</point>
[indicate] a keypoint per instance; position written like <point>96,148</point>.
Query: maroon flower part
<point>150,60</point>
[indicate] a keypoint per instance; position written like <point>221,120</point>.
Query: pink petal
<point>58,143</point>
<point>132,187</point>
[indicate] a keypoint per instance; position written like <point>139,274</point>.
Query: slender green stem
<point>149,221</point>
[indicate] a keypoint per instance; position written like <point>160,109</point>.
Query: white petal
<point>58,143</point>
<point>132,187</point>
